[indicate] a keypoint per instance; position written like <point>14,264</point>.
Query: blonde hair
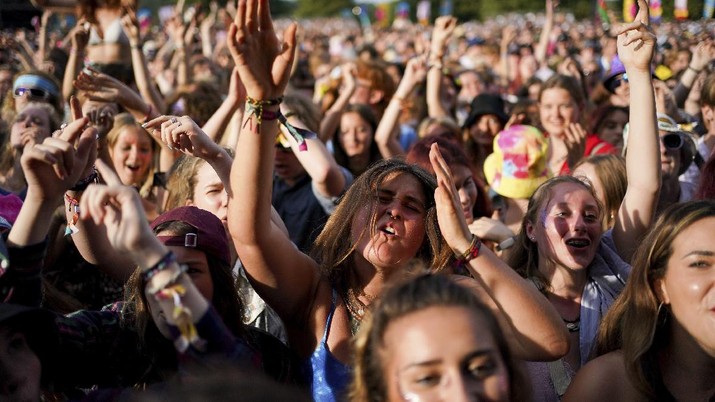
<point>121,122</point>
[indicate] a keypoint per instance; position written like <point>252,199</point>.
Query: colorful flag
<point>629,10</point>
<point>424,10</point>
<point>708,8</point>
<point>382,15</point>
<point>656,10</point>
<point>681,9</point>
<point>403,10</point>
<point>603,12</point>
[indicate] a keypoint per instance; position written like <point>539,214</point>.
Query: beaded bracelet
<point>255,108</point>
<point>471,253</point>
<point>84,183</point>
<point>163,263</point>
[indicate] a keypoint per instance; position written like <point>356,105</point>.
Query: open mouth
<point>133,168</point>
<point>578,243</point>
<point>388,230</point>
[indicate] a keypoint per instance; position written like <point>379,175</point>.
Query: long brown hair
<point>332,248</point>
<point>636,322</point>
<point>525,256</point>
<point>416,294</point>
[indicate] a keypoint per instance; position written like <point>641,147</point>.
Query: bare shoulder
<point>603,378</point>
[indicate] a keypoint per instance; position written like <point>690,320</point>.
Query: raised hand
<point>59,162</point>
<point>636,41</point>
<point>182,134</point>
<point>80,35</point>
<point>130,24</point>
<point>443,28</point>
<point>490,229</point>
<point>702,54</point>
<point>120,210</point>
<point>263,62</point>
<point>451,219</point>
<point>575,140</point>
<point>415,71</point>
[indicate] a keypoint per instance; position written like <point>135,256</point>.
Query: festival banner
<point>424,11</point>
<point>603,12</point>
<point>681,9</point>
<point>383,15</point>
<point>708,8</point>
<point>629,10</point>
<point>656,11</point>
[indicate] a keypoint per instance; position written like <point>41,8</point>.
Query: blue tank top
<point>327,376</point>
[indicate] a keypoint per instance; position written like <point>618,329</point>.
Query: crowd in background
<point>216,205</point>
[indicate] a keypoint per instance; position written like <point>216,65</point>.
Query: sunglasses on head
<point>33,93</point>
<point>672,141</point>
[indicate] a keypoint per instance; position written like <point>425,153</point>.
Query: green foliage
<point>321,8</point>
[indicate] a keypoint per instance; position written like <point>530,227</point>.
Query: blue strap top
<point>327,376</point>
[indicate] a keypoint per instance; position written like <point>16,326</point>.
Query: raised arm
<point>282,275</point>
<point>319,163</point>
<point>146,87</point>
<point>533,328</point>
<point>79,36</point>
<point>545,37</point>
<point>443,29</point>
<point>216,125</point>
<point>636,43</point>
<point>331,120</point>
<point>387,133</point>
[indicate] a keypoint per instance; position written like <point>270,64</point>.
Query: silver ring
<point>173,120</point>
<point>63,126</point>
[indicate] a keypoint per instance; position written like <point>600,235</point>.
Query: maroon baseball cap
<point>209,236</point>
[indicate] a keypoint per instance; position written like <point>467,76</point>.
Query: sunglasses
<point>672,141</point>
<point>33,93</point>
<point>618,81</point>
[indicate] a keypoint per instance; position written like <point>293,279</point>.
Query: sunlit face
<point>471,86</point>
<point>132,155</point>
<point>20,368</point>
<point>443,354</point>
<point>611,130</point>
<point>399,229</point>
<point>209,193</point>
<point>356,135</point>
<point>688,287</point>
<point>485,129</point>
<point>568,228</point>
<point>466,189</point>
<point>198,271</point>
<point>557,109</point>
<point>31,126</point>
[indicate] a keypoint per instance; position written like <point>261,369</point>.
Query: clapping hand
<point>263,62</point>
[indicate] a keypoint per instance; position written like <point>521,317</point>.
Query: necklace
<point>355,306</point>
<point>573,326</point>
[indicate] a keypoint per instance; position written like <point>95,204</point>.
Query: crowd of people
<point>224,206</point>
